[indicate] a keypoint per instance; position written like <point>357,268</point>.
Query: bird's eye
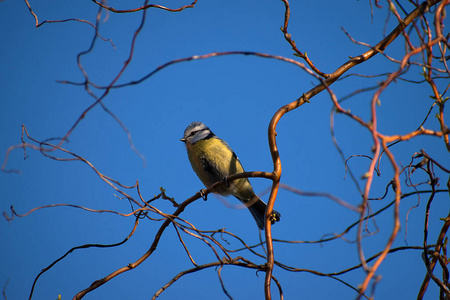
<point>192,133</point>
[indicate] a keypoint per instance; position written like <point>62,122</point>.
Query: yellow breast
<point>213,160</point>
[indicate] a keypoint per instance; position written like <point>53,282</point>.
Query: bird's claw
<point>225,179</point>
<point>203,194</point>
<point>274,218</point>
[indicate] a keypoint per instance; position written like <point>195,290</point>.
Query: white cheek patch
<point>200,135</point>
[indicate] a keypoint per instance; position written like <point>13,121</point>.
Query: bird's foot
<point>274,217</point>
<point>203,194</point>
<point>225,179</point>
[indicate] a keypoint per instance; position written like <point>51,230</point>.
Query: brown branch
<point>317,273</point>
<point>144,7</point>
<point>32,13</point>
<point>291,42</point>
<point>219,274</point>
<point>396,228</point>
<point>15,214</point>
<point>392,250</point>
<point>184,246</point>
<point>320,194</point>
<point>439,243</point>
<point>196,57</point>
<point>169,219</point>
<point>238,261</point>
<point>4,289</point>
<point>44,151</point>
<point>206,240</point>
<point>98,100</point>
<point>149,252</point>
<point>136,222</point>
<point>380,47</point>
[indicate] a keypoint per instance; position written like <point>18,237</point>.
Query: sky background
<point>236,96</point>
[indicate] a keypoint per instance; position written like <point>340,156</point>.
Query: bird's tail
<point>258,209</point>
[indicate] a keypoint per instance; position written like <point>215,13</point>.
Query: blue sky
<point>236,96</point>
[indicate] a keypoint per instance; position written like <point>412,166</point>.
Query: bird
<point>213,160</point>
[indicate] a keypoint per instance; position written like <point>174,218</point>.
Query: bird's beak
<point>183,140</point>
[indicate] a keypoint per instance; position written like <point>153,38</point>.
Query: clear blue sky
<point>236,96</point>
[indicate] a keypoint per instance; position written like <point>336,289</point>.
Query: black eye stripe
<point>197,131</point>
<point>193,133</point>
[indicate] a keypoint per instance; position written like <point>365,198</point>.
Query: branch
<point>380,47</point>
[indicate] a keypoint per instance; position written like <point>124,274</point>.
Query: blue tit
<point>213,160</point>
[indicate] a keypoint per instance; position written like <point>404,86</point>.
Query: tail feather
<point>258,211</point>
